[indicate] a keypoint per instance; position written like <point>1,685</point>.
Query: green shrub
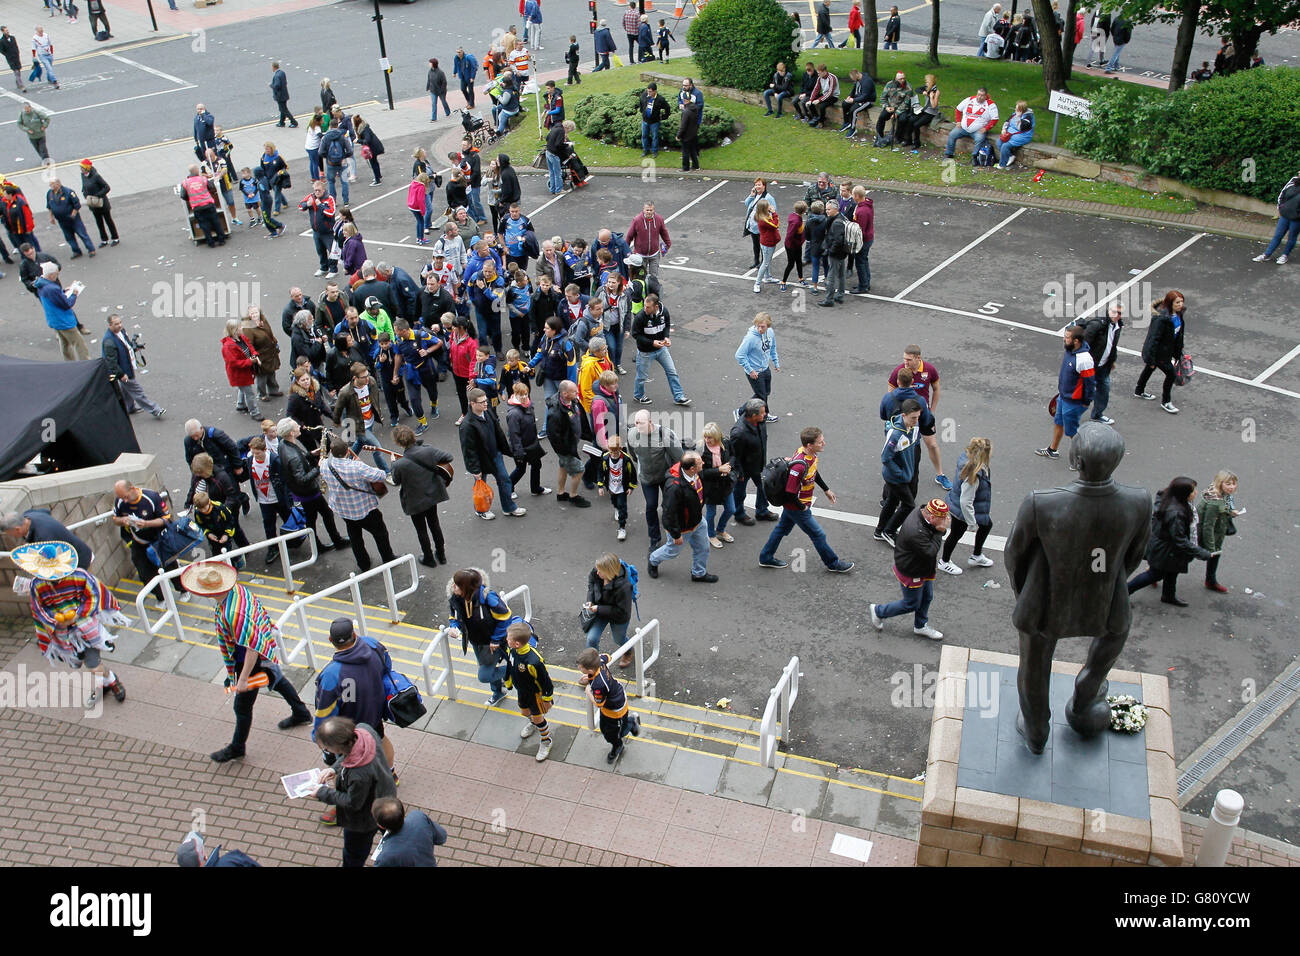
<point>616,118</point>
<point>738,43</point>
<point>1235,133</point>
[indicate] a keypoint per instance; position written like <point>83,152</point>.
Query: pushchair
<point>476,128</point>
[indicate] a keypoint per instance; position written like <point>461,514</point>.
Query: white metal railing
<point>163,580</point>
<point>639,686</point>
<point>445,682</point>
<point>96,520</point>
<point>786,692</point>
<point>298,609</point>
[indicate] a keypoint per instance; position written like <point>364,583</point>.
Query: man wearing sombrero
<point>70,608</point>
<point>916,558</point>
<point>248,642</point>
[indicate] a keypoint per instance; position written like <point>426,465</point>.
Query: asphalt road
<point>981,319</point>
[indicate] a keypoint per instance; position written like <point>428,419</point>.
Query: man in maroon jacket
<point>648,237</point>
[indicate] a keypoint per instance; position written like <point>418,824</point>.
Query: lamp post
<point>383,54</point>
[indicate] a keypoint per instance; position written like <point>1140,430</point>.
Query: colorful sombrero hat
<point>47,560</point>
<point>209,578</point>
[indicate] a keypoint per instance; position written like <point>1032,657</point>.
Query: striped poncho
<point>80,594</point>
<point>243,624</point>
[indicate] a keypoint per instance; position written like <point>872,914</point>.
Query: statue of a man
<point>1069,555</point>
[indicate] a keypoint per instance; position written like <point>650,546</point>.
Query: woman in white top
<point>312,145</point>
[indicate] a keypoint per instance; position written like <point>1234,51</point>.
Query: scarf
<point>362,752</point>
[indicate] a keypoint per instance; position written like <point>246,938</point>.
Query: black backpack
<point>776,475</point>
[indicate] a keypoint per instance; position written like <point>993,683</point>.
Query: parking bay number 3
<point>991,308</point>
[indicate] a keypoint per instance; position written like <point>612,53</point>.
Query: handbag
<point>1005,136</point>
<point>367,153</point>
<point>586,618</point>
<point>482,496</point>
<point>95,202</point>
<point>1184,371</point>
<point>404,704</point>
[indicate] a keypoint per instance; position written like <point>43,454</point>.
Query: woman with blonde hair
<point>609,603</point>
<point>261,336</point>
<point>719,483</point>
<point>1215,516</point>
<point>924,111</point>
<point>242,365</point>
<point>968,504</point>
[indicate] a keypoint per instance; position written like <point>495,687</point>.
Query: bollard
<point>1222,826</point>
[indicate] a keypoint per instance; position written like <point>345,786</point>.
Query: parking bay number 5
<point>991,308</point>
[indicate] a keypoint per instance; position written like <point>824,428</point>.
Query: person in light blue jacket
<point>58,313</point>
<point>757,357</point>
<point>1020,128</point>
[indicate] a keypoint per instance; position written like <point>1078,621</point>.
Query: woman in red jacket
<point>855,26</point>
<point>463,349</point>
<point>242,364</point>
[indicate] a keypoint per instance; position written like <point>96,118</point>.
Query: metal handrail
<point>787,692</point>
<point>163,580</point>
<point>442,639</point>
<point>299,607</point>
<point>639,686</point>
<point>96,520</point>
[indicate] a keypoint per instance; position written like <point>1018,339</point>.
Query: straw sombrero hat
<point>209,578</point>
<point>47,560</point>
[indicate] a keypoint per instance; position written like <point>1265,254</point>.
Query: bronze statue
<point>1069,555</point>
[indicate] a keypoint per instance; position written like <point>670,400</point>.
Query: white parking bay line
<point>148,69</point>
<point>957,255</point>
<point>1276,365</point>
<point>1009,323</point>
<point>94,106</point>
<point>706,195</point>
<point>1139,277</point>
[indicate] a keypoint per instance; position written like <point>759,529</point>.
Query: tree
<point>870,38</point>
<point>1055,74</point>
<point>934,33</point>
<point>1242,21</point>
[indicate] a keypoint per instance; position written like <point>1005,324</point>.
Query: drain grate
<point>1264,707</point>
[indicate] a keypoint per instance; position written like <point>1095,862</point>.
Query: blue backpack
<point>983,156</point>
<point>633,579</point>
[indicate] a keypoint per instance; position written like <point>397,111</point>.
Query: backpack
<point>775,477</point>
<point>883,142</point>
<point>983,156</point>
<point>632,579</point>
<point>853,236</point>
<point>334,151</point>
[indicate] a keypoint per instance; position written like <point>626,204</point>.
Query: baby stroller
<point>575,173</point>
<point>478,131</point>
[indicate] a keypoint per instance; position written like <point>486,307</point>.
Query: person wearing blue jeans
<point>650,328</point>
<point>976,115</point>
<point>916,560</point>
<point>862,262</point>
<point>481,441</point>
<point>480,617</point>
<point>556,149</point>
<point>1288,222</point>
<point>609,598</point>
<point>1021,127</point>
<point>683,519</point>
<point>1105,351</point>
<point>333,172</point>
<point>802,479</point>
<point>782,87</point>
<point>654,110</point>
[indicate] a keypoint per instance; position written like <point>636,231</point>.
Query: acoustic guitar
<point>446,469</point>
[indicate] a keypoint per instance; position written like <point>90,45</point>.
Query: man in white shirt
<point>43,53</point>
<point>987,24</point>
<point>976,115</point>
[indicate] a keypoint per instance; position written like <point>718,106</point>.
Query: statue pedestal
<point>1111,800</point>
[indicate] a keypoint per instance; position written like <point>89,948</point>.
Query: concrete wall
<point>72,496</point>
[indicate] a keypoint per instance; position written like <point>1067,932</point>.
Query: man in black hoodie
<point>483,443</point>
<point>509,187</point>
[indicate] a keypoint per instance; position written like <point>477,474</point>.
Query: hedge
<point>738,43</point>
<point>616,118</point>
<point>1236,133</point>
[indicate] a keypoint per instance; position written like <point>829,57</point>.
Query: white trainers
<point>876,622</point>
<point>1261,258</point>
<point>979,561</point>
<point>526,730</point>
<point>487,515</point>
<point>622,534</point>
<point>947,567</point>
<point>1281,260</point>
<point>517,513</point>
<point>758,287</point>
<point>543,751</point>
<point>929,632</point>
<point>1170,407</point>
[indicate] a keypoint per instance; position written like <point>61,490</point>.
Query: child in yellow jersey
<point>605,691</point>
<point>526,674</point>
<point>515,370</point>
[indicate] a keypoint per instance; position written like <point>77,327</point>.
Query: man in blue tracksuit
<point>465,68</point>
<point>352,685</point>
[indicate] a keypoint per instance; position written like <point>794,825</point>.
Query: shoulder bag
<point>376,488</point>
